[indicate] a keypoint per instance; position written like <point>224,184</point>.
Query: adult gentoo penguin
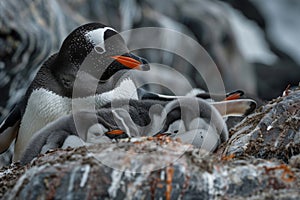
<point>89,56</point>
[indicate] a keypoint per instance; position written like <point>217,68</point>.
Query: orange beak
<point>128,62</point>
<point>115,132</point>
<point>233,97</point>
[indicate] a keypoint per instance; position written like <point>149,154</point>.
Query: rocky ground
<point>260,161</point>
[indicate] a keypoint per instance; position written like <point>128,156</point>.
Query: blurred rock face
<point>252,35</point>
<point>29,32</point>
<point>278,21</point>
<point>271,132</point>
<point>206,21</point>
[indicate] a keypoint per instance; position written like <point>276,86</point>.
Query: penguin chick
<point>134,118</point>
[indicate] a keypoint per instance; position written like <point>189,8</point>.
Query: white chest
<point>45,106</point>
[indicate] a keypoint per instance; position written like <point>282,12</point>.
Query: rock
<point>272,132</point>
<point>272,17</point>
<point>281,18</point>
<point>29,32</point>
<point>147,169</point>
<point>294,161</point>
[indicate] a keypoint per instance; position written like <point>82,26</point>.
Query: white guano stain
<point>115,184</point>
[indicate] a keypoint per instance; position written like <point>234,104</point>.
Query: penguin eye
<point>99,49</point>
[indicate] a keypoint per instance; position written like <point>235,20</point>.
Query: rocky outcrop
<point>146,170</point>
<point>29,32</point>
<point>272,132</point>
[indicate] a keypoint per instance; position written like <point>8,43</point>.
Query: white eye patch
<point>96,37</point>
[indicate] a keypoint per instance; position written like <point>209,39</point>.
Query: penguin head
<point>96,49</point>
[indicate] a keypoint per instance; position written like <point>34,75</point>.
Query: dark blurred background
<point>255,44</point>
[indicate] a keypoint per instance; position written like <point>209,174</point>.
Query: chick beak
<point>234,95</point>
<point>115,132</point>
<point>128,62</point>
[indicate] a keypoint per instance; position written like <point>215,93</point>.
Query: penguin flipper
<point>144,94</point>
<point>9,129</point>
